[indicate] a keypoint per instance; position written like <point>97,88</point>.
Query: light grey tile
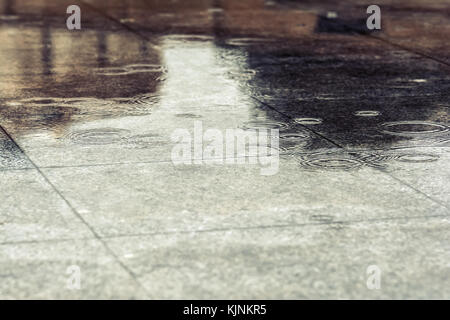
<point>30,210</point>
<point>40,271</point>
<point>149,198</point>
<point>321,262</point>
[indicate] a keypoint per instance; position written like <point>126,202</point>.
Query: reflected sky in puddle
<point>60,83</point>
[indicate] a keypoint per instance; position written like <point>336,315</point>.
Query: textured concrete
<point>86,119</point>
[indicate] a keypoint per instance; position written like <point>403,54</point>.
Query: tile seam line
<point>408,49</point>
<point>75,212</point>
<point>281,226</point>
<point>390,43</point>
<point>345,149</point>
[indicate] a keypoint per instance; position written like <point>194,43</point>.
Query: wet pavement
<point>86,164</point>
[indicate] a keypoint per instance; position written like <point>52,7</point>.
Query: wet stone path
<point>87,125</point>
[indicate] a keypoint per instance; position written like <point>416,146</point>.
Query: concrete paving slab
<point>31,210</point>
<point>50,270</point>
<point>140,198</point>
<point>312,262</point>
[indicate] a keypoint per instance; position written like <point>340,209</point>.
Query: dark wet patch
<point>339,25</point>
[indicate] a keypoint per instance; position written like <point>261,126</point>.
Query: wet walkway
<point>86,149</point>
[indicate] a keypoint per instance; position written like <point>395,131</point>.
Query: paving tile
<point>46,270</point>
<point>162,197</point>
<point>311,262</point>
<point>364,137</point>
<point>31,210</point>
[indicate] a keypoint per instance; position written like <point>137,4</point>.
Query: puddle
<point>60,102</point>
<point>412,128</point>
<point>101,136</point>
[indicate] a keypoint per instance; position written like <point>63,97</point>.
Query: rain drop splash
<point>100,136</point>
<point>265,124</point>
<point>418,158</point>
<point>367,113</point>
<point>308,121</point>
<point>413,128</point>
<point>294,142</point>
<point>329,161</point>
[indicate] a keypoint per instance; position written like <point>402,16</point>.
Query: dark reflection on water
<point>46,41</point>
<point>307,67</point>
<point>8,8</point>
<point>338,25</point>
